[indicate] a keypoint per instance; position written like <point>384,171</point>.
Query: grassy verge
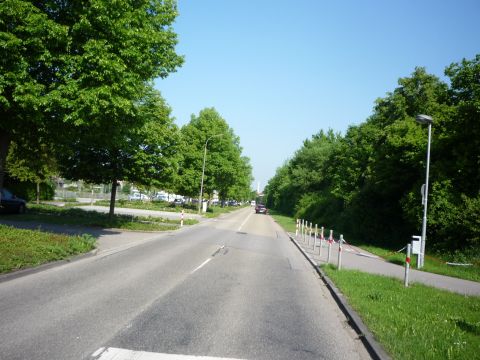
<point>25,248</point>
<point>148,205</point>
<point>215,211</point>
<point>286,222</point>
<point>212,212</point>
<point>75,216</point>
<point>418,322</point>
<point>432,264</point>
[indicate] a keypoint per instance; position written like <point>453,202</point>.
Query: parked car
<point>10,203</point>
<point>138,196</point>
<point>261,209</point>
<point>161,197</point>
<point>178,202</point>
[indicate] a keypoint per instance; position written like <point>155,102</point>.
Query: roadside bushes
<point>28,190</point>
<point>366,184</point>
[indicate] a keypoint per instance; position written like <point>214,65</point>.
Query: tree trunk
<point>4,145</point>
<point>112,199</point>
<point>38,192</point>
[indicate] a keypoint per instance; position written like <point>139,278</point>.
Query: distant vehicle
<point>178,202</point>
<point>261,209</point>
<point>11,203</point>
<point>161,197</point>
<point>138,196</point>
<point>253,203</point>
<point>232,203</point>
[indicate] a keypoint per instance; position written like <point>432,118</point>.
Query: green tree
<point>31,47</point>
<point>145,154</point>
<point>77,70</point>
<point>225,168</point>
<point>32,160</point>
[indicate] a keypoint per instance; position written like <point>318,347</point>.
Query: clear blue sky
<point>279,71</point>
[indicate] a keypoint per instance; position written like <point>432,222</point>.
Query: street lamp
<point>425,120</point>
<point>200,198</point>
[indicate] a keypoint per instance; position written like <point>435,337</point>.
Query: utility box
<point>416,244</point>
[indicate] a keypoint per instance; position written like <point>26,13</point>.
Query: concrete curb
<point>373,347</point>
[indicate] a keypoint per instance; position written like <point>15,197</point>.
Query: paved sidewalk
<point>359,259</point>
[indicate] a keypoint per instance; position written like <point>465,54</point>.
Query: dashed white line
<point>202,265</point>
<point>98,352</point>
<point>125,354</point>
<point>244,221</point>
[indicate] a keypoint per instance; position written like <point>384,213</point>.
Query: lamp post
<point>425,119</point>
<point>200,198</point>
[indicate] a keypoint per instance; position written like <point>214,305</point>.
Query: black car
<point>11,203</point>
<point>178,202</point>
<point>261,209</point>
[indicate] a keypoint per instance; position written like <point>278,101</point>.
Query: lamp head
<point>424,119</point>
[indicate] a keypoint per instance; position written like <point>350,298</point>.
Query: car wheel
<point>21,209</point>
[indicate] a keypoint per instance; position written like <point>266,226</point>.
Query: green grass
<point>286,222</point>
<point>432,264</point>
<point>149,205</point>
<point>75,216</point>
<point>212,212</point>
<point>25,248</point>
<point>417,322</point>
<point>215,211</point>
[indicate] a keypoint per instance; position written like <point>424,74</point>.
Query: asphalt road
<point>235,287</point>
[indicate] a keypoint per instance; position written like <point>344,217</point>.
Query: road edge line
<point>373,347</point>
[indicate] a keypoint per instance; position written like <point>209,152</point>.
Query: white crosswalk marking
<point>125,354</point>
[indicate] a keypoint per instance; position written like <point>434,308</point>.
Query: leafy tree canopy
<point>225,168</point>
<point>367,182</point>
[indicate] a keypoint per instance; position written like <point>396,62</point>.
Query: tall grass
<point>25,248</point>
<point>417,322</point>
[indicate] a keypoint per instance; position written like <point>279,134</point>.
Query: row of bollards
<point>304,231</point>
<point>303,228</point>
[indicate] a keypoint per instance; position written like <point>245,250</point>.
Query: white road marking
<point>125,354</point>
<point>202,265</point>
<point>98,352</point>
<point>244,221</point>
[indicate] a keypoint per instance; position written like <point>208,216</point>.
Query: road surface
<point>234,287</point>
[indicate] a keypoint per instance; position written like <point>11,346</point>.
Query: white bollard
<point>181,219</point>
<point>305,231</point>
<point>330,241</point>
<point>407,264</point>
<point>339,262</point>
<point>296,228</point>
<point>321,241</point>
<point>315,237</point>
<point>310,233</point>
<point>303,228</point>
